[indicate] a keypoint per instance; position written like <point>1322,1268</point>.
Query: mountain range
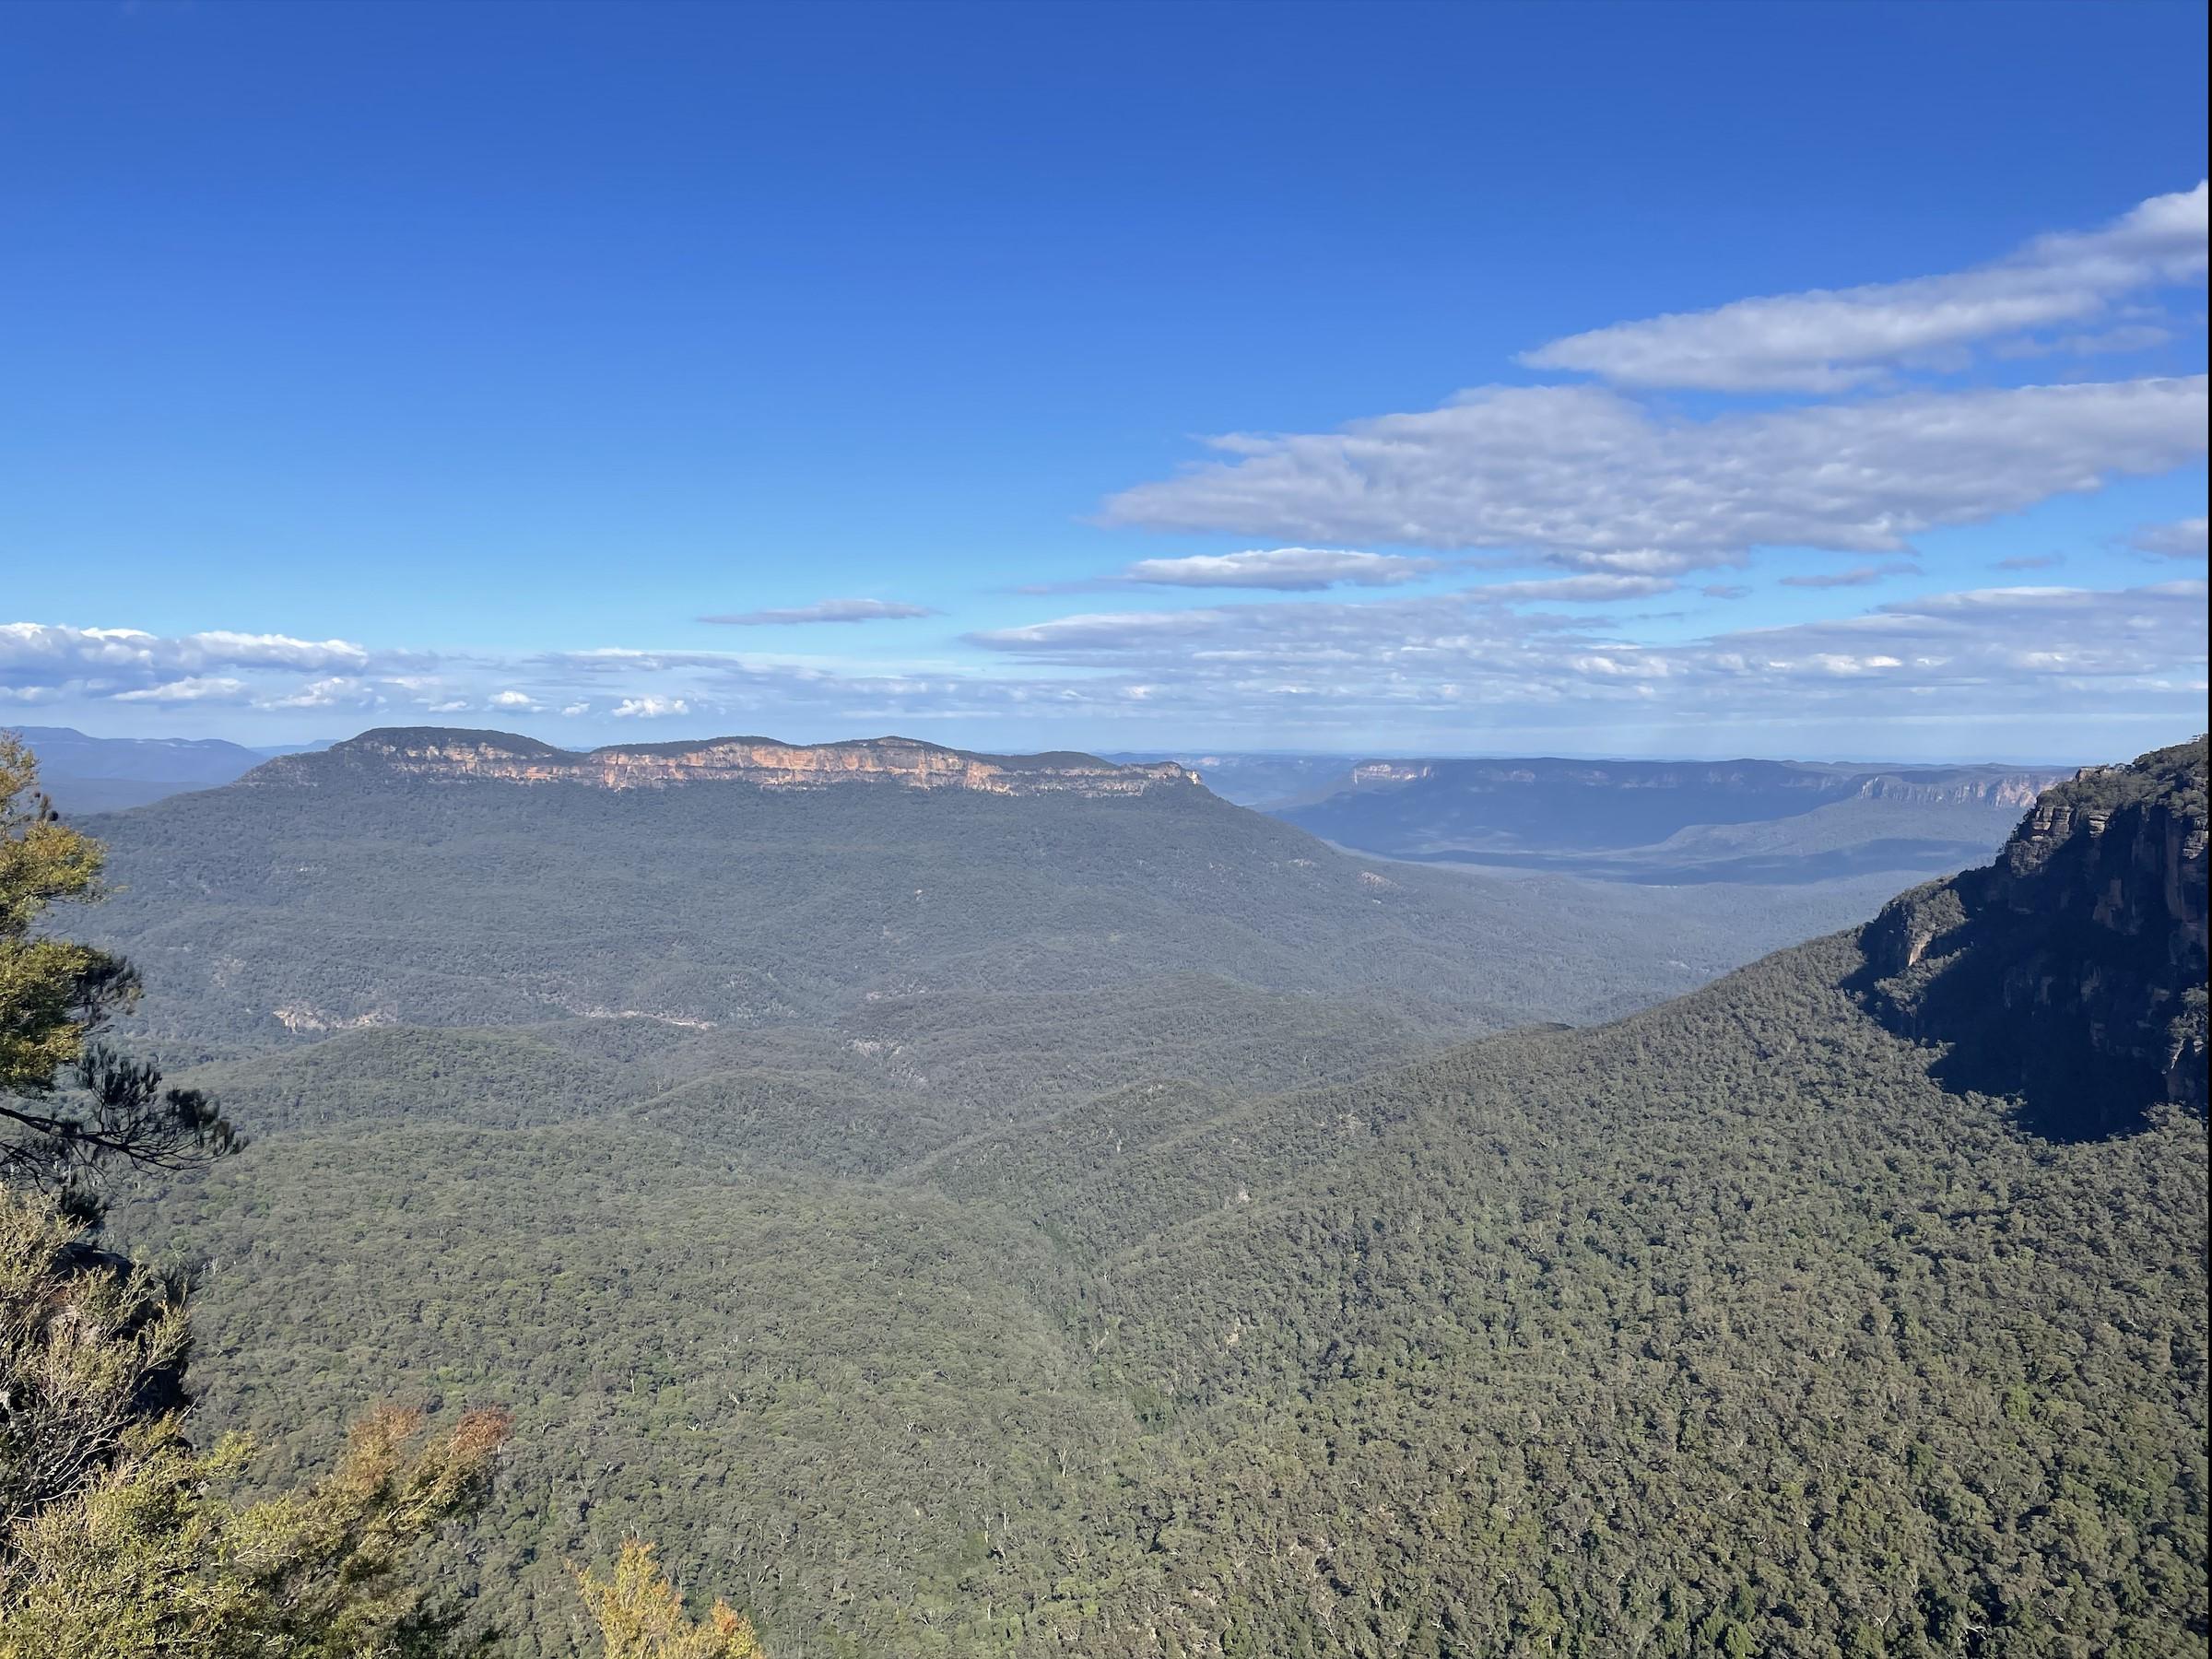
<point>973,1206</point>
<point>106,774</point>
<point>1738,822</point>
<point>410,876</point>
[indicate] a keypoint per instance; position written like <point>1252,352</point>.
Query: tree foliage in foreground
<point>90,1349</point>
<point>640,1616</point>
<point>70,1106</point>
<point>117,1539</point>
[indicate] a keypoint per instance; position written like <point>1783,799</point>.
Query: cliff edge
<point>438,752</point>
<point>2070,972</point>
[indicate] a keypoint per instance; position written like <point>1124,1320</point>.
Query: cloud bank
<point>1590,479</point>
<point>2184,539</point>
<point>827,610</point>
<point>1834,339</point>
<point>1284,569</point>
<point>1467,668</point>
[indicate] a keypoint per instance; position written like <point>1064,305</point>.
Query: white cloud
<point>651,708</point>
<point>1285,570</point>
<point>1506,660</point>
<point>1502,659</point>
<point>196,689</point>
<point>1997,638</point>
<point>514,700</point>
<point>1985,653</point>
<point>1596,587</point>
<point>1593,480</point>
<point>827,610</point>
<point>1828,340</point>
<point>2184,539</point>
<point>336,691</point>
<point>2130,336</point>
<point>130,655</point>
<point>128,665</point>
<point>1112,628</point>
<point>1858,576</point>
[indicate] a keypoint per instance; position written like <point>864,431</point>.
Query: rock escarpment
<point>1991,786</point>
<point>2070,972</point>
<point>1978,787</point>
<point>440,753</point>
<point>1551,809</point>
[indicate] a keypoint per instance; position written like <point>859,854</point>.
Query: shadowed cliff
<point>2070,972</point>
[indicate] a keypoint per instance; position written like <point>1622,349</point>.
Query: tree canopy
<point>119,1537</point>
<point>72,1107</point>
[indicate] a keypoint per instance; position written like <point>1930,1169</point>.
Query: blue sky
<point>1659,380</point>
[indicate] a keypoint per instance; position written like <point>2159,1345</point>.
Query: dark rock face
<point>2069,973</point>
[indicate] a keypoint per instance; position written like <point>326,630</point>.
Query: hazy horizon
<point>1194,752</point>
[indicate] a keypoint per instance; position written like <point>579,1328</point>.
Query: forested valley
<point>960,1223</point>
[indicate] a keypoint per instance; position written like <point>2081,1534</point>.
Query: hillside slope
<point>1740,1327</point>
<point>472,878</point>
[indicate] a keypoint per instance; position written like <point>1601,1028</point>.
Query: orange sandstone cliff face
<point>762,762</point>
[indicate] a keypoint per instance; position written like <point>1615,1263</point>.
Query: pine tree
<point>69,1106</point>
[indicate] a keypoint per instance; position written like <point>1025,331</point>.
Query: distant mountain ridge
<point>1566,801</point>
<point>1762,823</point>
<point>104,774</point>
<point>433,877</point>
<point>441,752</point>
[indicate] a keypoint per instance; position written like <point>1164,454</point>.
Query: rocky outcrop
<point>1960,785</point>
<point>761,762</point>
<point>1370,775</point>
<point>1980,788</point>
<point>2070,972</point>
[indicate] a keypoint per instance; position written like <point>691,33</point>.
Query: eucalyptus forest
<point>945,1223</point>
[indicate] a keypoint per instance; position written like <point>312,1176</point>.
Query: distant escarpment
<point>2070,972</point>
<point>1547,809</point>
<point>1763,783</point>
<point>1958,787</point>
<point>442,753</point>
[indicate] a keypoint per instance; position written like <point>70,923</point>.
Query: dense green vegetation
<point>1163,1317</point>
<point>114,1540</point>
<point>1760,1333</point>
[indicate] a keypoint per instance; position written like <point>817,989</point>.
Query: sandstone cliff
<point>2071,971</point>
<point>1977,788</point>
<point>437,752</point>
